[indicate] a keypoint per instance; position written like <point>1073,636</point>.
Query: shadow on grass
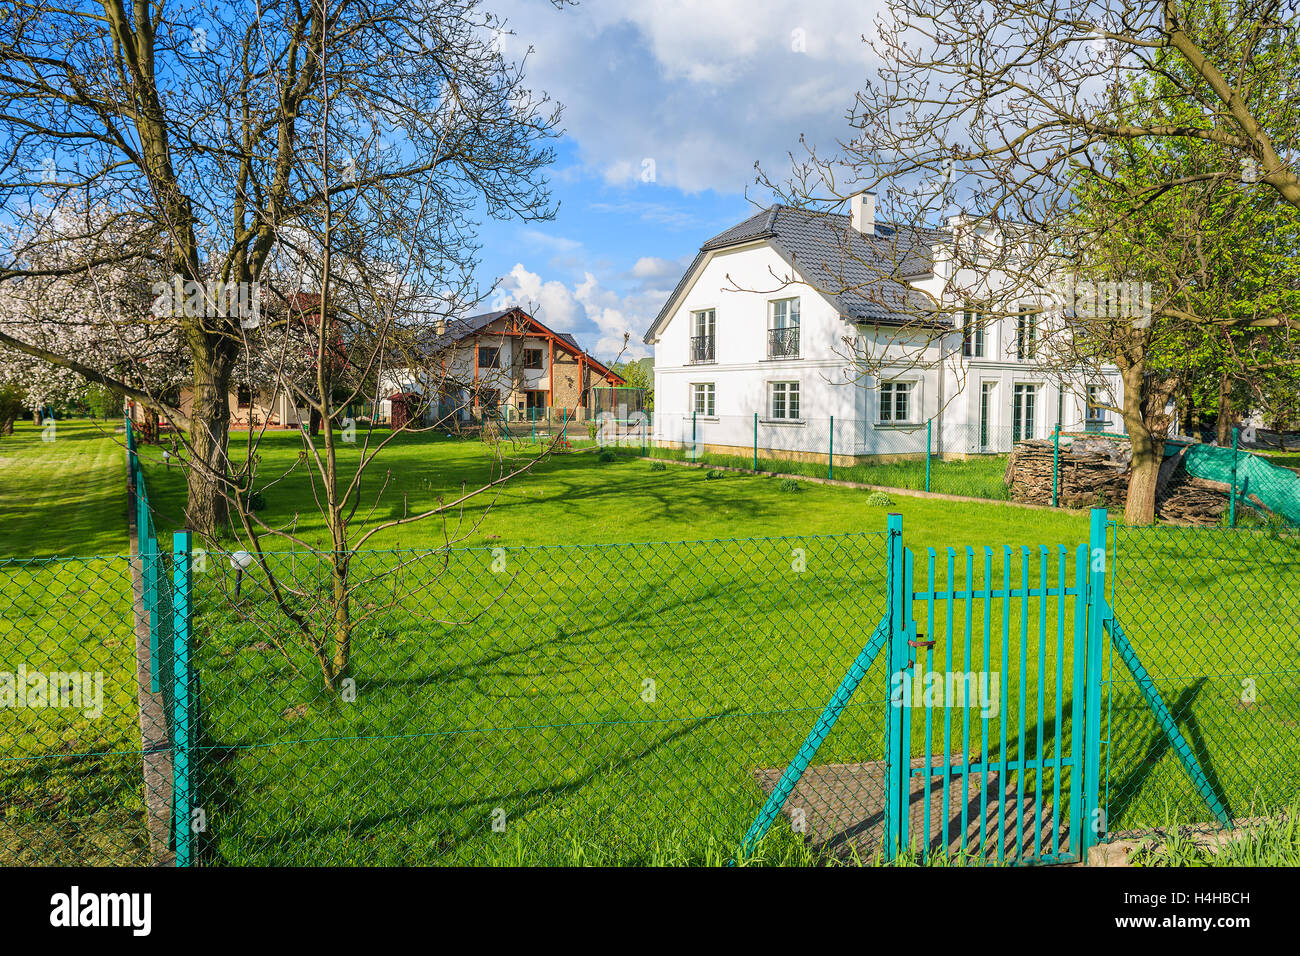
<point>1129,787</point>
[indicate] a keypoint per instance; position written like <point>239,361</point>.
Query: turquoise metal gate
<point>975,769</point>
<point>989,683</point>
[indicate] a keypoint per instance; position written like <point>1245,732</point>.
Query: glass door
<point>1023,405</point>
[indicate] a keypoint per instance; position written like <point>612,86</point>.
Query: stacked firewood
<point>1090,473</point>
<point>1093,472</point>
<point>1192,500</point>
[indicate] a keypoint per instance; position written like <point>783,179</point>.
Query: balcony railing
<point>783,343</point>
<point>702,348</point>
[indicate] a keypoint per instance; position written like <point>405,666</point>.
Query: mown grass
<point>979,476</point>
<point>70,784</point>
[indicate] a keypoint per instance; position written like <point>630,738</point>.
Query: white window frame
<point>796,311</point>
<point>1027,345</point>
<point>793,320</point>
<point>1019,388</point>
<point>913,391</point>
<point>708,389</point>
<point>986,412</point>
<point>977,338</point>
<point>790,389</point>
<point>1102,417</point>
<point>711,330</point>
<point>711,325</point>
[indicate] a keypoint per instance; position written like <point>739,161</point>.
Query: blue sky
<point>667,107</point>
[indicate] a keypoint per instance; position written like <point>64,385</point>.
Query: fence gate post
<point>756,441</point>
<point>1091,820</point>
<point>182,711</point>
<point>897,747</point>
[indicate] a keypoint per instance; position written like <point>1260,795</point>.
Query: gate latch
<point>920,643</point>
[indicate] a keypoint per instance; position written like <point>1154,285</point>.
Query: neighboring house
<point>498,364</point>
<point>744,359</point>
<point>503,363</point>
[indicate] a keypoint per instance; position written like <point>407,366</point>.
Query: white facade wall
<point>739,283</point>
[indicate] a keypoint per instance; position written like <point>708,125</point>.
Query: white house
<point>755,348</point>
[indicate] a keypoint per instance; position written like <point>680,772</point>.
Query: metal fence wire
<point>616,704</point>
<point>1231,485</point>
<point>1214,613</point>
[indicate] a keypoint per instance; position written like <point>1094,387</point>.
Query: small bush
<point>657,466</point>
<point>607,456</point>
<point>790,484</point>
<point>713,473</point>
<point>257,502</point>
<point>879,499</point>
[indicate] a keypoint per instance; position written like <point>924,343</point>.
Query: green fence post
<point>756,441</point>
<point>1092,823</point>
<point>182,729</point>
<point>1232,499</point>
<point>695,449</point>
<point>830,456</point>
<point>1056,461</point>
<point>927,455</point>
<point>897,762</point>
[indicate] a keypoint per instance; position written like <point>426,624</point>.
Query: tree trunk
<point>342,621</point>
<point>1140,505</point>
<point>149,433</point>
<point>207,507</point>
<point>1223,428</point>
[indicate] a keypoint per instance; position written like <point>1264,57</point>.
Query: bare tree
<point>199,128</point>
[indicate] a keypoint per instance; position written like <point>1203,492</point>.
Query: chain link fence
<point>952,459</point>
<point>1213,613</point>
<point>1229,486</point>
<point>616,704</point>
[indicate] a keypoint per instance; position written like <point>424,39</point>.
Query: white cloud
<point>597,316</point>
<point>550,301</point>
<point>653,267</point>
<point>703,90</point>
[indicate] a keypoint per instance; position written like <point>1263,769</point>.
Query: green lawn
<point>62,497</point>
<point>573,499</point>
<point>609,700</point>
<point>67,498</point>
<point>979,476</point>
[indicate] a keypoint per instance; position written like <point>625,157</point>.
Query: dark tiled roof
<point>458,329</point>
<point>863,275</point>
